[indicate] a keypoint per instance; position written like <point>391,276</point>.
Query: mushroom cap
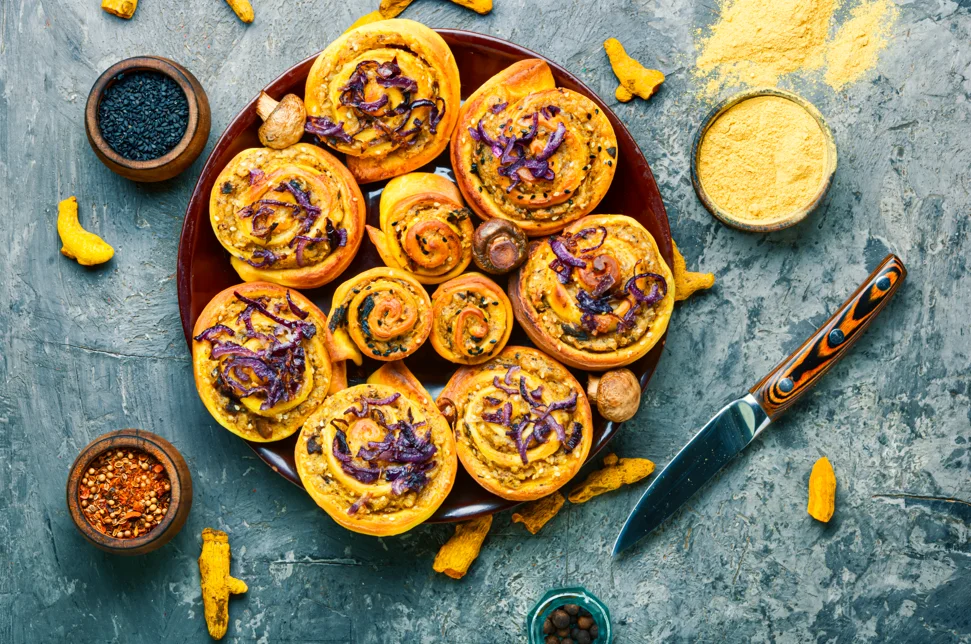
<point>284,125</point>
<point>499,246</point>
<point>618,394</point>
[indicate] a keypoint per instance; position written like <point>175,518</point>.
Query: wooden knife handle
<point>795,375</point>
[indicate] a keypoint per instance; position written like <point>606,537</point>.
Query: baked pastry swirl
<point>522,423</point>
<point>472,319</point>
<point>387,95</point>
<point>425,228</point>
<point>532,153</point>
<point>259,360</point>
<point>598,296</point>
<point>382,313</point>
<point>378,459</point>
<point>293,216</point>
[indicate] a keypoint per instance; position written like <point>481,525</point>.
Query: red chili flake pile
<point>125,494</point>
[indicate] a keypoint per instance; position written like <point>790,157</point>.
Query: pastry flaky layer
<point>378,458</point>
<point>383,313</point>
<point>259,360</point>
<point>472,319</point>
<point>532,153</point>
<point>293,217</point>
<point>598,296</point>
<point>522,423</point>
<point>425,229</point>
<point>387,95</point>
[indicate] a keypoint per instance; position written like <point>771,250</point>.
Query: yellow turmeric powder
<point>854,49</point>
<point>763,159</point>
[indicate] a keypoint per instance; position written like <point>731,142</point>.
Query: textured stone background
<point>87,351</point>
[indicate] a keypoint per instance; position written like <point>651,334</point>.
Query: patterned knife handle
<point>795,375</point>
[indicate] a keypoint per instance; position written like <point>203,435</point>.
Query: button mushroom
<point>498,246</point>
<point>283,121</point>
<point>617,393</point>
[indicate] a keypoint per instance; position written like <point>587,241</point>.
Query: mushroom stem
<point>265,105</point>
<point>593,386</point>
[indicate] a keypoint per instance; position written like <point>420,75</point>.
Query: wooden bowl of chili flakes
<point>129,492</point>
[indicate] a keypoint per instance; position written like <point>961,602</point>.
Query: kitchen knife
<point>737,425</point>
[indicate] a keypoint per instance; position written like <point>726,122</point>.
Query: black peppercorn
<point>585,622</point>
<point>566,641</point>
<point>548,627</point>
<point>594,631</point>
<point>584,637</point>
<point>552,639</point>
<point>572,609</point>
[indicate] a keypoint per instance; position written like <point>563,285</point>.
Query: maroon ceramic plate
<point>204,268</point>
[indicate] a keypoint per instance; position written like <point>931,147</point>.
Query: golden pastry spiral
<point>387,95</point>
<point>473,319</point>
<point>522,423</point>
<point>293,216</point>
<point>425,229</point>
<point>598,296</point>
<point>259,360</point>
<point>532,153</point>
<point>378,460</point>
<point>382,313</point>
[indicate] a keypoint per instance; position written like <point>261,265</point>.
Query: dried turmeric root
<point>822,491</point>
<point>616,472</point>
<point>393,8</point>
<point>458,553</point>
<point>121,8</point>
<point>635,79</point>
<point>77,243</point>
<point>217,584</point>
<point>366,19</point>
<point>243,10</point>
<point>536,514</point>
<point>686,282</point>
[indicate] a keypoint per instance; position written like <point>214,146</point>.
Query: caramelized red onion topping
<point>275,372</point>
<point>511,150</point>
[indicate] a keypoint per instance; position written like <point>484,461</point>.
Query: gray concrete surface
<point>87,351</point>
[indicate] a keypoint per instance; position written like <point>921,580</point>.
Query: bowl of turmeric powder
<point>763,160</point>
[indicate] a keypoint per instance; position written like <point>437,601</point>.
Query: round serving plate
<point>204,269</point>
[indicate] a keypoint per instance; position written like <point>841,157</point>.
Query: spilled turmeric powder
<point>857,44</point>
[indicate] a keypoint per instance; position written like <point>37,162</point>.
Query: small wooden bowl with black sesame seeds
<point>133,480</point>
<point>147,118</point>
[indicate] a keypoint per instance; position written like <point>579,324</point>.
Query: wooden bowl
<point>204,268</point>
<point>792,218</point>
<point>181,494</point>
<point>178,158</point>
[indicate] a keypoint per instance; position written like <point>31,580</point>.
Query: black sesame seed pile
<point>143,115</point>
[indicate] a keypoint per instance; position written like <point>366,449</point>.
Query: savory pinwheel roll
<point>598,296</point>
<point>293,217</point>
<point>386,94</point>
<point>425,229</point>
<point>259,360</point>
<point>382,313</point>
<point>522,423</point>
<point>532,153</point>
<point>378,459</point>
<point>472,319</point>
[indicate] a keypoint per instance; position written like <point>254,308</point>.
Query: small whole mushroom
<point>617,394</point>
<point>283,121</point>
<point>499,246</point>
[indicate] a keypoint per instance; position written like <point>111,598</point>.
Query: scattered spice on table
<point>143,115</point>
<point>570,624</point>
<point>125,493</point>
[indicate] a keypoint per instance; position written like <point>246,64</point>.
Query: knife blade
<point>739,422</point>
